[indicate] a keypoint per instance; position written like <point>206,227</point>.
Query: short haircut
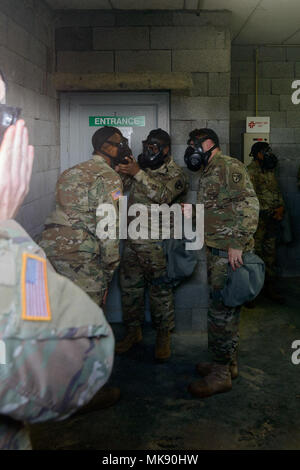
<point>205,132</point>
<point>101,136</point>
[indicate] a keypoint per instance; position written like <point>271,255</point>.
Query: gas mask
<point>8,116</point>
<point>195,156</point>
<point>123,151</point>
<point>152,156</point>
<point>269,161</point>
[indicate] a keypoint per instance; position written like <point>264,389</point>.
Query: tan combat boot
<point>105,397</point>
<point>204,368</point>
<point>134,336</point>
<point>217,381</point>
<point>163,345</point>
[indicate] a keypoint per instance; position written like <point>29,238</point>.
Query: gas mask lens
<point>195,156</point>
<point>123,151</point>
<point>152,156</point>
<point>8,116</point>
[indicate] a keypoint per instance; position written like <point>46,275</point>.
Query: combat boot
<point>134,336</point>
<point>107,396</point>
<point>204,368</point>
<point>217,381</point>
<point>163,345</point>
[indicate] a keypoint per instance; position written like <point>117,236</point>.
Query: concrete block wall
<point>278,67</point>
<point>27,60</point>
<point>161,42</point>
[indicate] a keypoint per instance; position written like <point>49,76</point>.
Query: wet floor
<point>156,412</point>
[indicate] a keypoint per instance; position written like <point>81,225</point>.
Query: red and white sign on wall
<point>258,124</point>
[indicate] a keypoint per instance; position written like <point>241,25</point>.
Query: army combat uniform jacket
<point>70,239</point>
<point>266,187</point>
<point>166,185</point>
<point>56,347</point>
<point>230,204</point>
<point>268,231</point>
<point>231,211</point>
<point>144,261</point>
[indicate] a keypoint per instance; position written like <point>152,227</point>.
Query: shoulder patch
<point>236,177</point>
<point>116,194</point>
<point>34,288</point>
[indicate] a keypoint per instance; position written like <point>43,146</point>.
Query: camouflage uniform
<point>70,237</point>
<point>59,347</point>
<point>230,220</point>
<point>144,261</point>
<point>268,230</point>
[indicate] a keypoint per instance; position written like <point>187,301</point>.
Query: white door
<point>134,113</point>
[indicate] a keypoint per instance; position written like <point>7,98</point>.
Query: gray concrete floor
<point>156,412</point>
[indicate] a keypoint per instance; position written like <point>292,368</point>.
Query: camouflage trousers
<point>13,435</point>
<point>141,265</point>
<point>85,272</point>
<point>265,243</point>
<point>223,322</point>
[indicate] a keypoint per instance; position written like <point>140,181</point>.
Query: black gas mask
<point>152,156</point>
<point>269,161</point>
<point>8,116</point>
<point>195,156</point>
<point>123,151</point>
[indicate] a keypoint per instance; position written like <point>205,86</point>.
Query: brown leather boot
<point>217,381</point>
<point>163,345</point>
<point>204,368</point>
<point>105,397</point>
<point>134,336</point>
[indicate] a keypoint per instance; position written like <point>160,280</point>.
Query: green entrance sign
<point>117,121</point>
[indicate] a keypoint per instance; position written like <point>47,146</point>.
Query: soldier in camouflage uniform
<point>70,238</point>
<point>53,359</point>
<point>271,211</point>
<point>230,221</point>
<point>45,319</point>
<point>156,179</point>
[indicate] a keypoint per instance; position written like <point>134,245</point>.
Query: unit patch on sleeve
<point>236,177</point>
<point>35,296</point>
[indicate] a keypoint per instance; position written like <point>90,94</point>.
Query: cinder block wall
<point>278,67</point>
<point>161,42</point>
<point>27,60</point>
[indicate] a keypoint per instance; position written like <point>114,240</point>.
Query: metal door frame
<point>67,105</point>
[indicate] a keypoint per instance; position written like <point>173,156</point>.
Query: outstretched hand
<point>16,161</point>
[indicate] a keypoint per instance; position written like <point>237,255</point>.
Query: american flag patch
<point>35,297</point>
<point>116,194</point>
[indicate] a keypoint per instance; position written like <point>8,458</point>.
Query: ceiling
<point>253,21</point>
